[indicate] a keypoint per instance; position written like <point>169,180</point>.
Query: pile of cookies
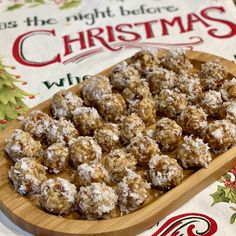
<point>122,135</point>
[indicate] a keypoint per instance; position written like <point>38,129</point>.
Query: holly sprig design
<point>62,4</point>
<point>227,192</point>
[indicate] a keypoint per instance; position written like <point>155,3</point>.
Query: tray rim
<point>129,224</point>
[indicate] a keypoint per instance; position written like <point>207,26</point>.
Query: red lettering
<point>164,24</point>
<point>193,18</point>
<point>68,41</point>
<point>93,35</point>
<point>212,32</point>
<point>148,28</point>
<point>110,33</point>
<point>120,29</point>
<point>18,53</point>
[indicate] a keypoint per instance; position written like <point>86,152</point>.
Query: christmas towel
<point>48,45</point>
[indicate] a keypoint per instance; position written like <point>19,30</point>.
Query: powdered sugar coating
<point>160,79</point>
<point>191,86</point>
<point>88,173</point>
<point>56,158</point>
<point>168,134</point>
<point>61,131</point>
<point>212,74</point>
<point>117,162</point>
<point>164,172</point>
<point>27,176</point>
<point>145,109</point>
<point>86,120</point>
<point>123,74</point>
<point>228,90</point>
<point>108,136</point>
<point>21,144</point>
<point>171,103</point>
<point>136,89</point>
<point>84,150</point>
<point>58,196</point>
<point>63,103</point>
<point>93,88</point>
<point>96,201</point>
<point>36,123</point>
<point>131,126</point>
<point>132,192</point>
<point>211,101</point>
<point>193,152</point>
<point>145,59</point>
<point>176,60</point>
<point>143,148</point>
<point>228,111</point>
<point>221,135</point>
<point>193,120</point>
<point>111,106</point>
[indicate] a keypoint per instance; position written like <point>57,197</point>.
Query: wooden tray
<point>23,213</point>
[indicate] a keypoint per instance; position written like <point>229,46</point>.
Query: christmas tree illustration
<point>11,96</point>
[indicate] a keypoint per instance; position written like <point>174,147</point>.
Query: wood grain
<point>22,212</point>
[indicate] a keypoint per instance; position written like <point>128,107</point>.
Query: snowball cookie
<point>212,74</point>
<point>193,152</point>
<point>228,90</point>
<point>111,106</point>
<point>27,176</point>
<point>122,74</point>
<point>143,148</point>
<point>145,109</point>
<point>117,162</point>
<point>228,111</point>
<point>86,120</point>
<point>63,103</point>
<point>131,126</point>
<point>136,89</point>
<point>96,201</point>
<point>146,59</point>
<point>164,172</point>
<point>108,136</point>
<point>83,150</point>
<point>56,158</point>
<point>132,191</point>
<point>171,103</point>
<point>88,173</point>
<point>160,79</point>
<point>193,120</point>
<point>211,102</point>
<point>61,131</point>
<point>168,134</point>
<point>36,123</point>
<point>221,135</point>
<point>57,196</point>
<point>191,86</point>
<point>21,144</point>
<point>176,60</point>
<point>93,88</point>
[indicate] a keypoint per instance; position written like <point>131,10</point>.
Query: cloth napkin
<point>48,45</point>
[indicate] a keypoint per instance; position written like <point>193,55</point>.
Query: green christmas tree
<point>11,104</point>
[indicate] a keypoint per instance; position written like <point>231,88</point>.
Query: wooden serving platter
<point>29,217</point>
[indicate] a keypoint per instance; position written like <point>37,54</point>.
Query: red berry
<point>18,107</point>
<point>31,97</point>
<point>3,122</point>
<point>18,76</point>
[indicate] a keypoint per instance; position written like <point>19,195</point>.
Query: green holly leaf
<point>14,7</point>
<point>219,195</point>
<point>70,4</point>
<point>233,218</point>
<point>231,195</point>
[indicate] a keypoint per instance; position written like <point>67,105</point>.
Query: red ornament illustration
<point>187,222</point>
<point>31,97</point>
<point>24,83</point>
<point>3,122</point>
<point>18,76</point>
<point>18,107</point>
